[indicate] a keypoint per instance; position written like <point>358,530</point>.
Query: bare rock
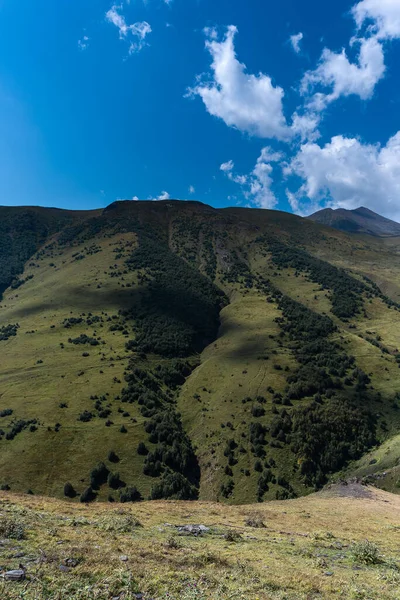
<point>15,575</point>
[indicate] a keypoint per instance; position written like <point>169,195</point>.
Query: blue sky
<point>290,105</point>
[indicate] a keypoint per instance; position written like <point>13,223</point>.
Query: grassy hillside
<point>171,350</point>
<point>340,543</point>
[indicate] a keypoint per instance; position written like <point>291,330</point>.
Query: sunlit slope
<point>186,336</point>
<point>339,543</point>
<point>42,371</point>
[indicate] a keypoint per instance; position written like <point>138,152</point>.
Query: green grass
<point>38,375</point>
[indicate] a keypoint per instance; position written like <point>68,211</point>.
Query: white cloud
<point>191,189</point>
<point>305,126</point>
<point>227,167</point>
<point>211,33</point>
<point>270,155</point>
<point>336,75</point>
<point>335,71</point>
<point>295,41</point>
<point>385,15</point>
<point>256,187</point>
<point>250,103</point>
<point>347,173</point>
<point>83,44</point>
<point>294,202</point>
<point>164,196</point>
<point>135,198</point>
<point>135,33</point>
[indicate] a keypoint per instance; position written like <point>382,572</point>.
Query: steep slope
<point>359,220</point>
<point>22,231</point>
<point>112,354</point>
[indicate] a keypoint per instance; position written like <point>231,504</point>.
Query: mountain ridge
<point>359,220</point>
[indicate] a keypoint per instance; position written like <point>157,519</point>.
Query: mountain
<point>173,350</point>
<point>360,220</point>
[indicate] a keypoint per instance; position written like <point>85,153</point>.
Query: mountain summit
<point>360,220</point>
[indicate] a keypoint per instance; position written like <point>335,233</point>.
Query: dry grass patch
<point>307,549</point>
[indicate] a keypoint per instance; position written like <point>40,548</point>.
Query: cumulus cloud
<point>191,189</point>
<point>164,196</point>
<point>384,14</point>
<point>336,75</point>
<point>135,33</point>
<point>247,102</point>
<point>345,78</point>
<point>256,187</point>
<point>345,173</point>
<point>295,41</point>
<point>305,126</point>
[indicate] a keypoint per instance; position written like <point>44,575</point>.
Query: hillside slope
<point>293,550</point>
<point>359,220</point>
<point>234,354</point>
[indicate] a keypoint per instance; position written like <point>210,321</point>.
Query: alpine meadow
<point>172,350</point>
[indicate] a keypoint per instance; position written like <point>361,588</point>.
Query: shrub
<point>123,429</point>
<point>255,520</point>
<point>12,529</point>
<point>88,495</point>
<point>232,536</point>
<point>366,553</point>
<point>85,417</point>
<point>113,481</point>
<point>18,427</point>
<point>130,494</point>
<point>98,475</point>
<point>173,543</point>
<point>142,449</point>
<point>6,412</point>
<point>257,410</point>
<point>112,457</point>
<point>227,488</point>
<point>69,491</point>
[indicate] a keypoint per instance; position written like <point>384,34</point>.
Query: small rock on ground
<point>15,575</point>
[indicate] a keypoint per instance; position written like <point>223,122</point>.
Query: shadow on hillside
<point>248,349</point>
<point>164,308</point>
<point>85,299</point>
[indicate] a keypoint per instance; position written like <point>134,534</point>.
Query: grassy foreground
<point>309,548</point>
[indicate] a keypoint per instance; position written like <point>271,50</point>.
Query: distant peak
<point>357,220</point>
